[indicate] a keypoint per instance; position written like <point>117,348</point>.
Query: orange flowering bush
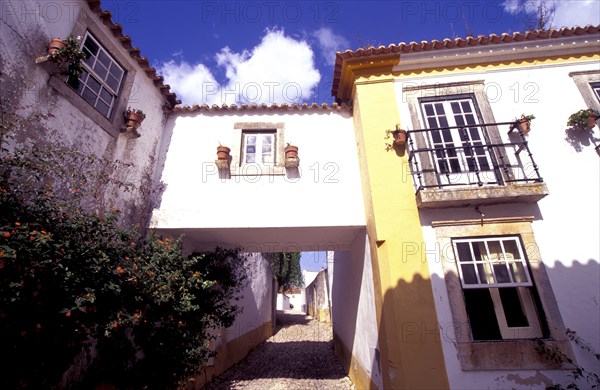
<point>86,300</point>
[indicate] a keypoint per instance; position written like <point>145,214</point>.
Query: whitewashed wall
<point>25,30</point>
<point>566,224</point>
<point>315,207</point>
<point>353,306</point>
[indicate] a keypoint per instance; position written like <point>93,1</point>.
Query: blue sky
<point>283,51</point>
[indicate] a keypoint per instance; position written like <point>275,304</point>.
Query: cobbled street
<point>299,356</point>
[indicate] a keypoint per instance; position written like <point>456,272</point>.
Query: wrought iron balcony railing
<point>471,155</point>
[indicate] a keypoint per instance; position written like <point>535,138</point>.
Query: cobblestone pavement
<point>299,356</point>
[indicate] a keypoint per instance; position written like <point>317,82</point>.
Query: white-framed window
<point>596,88</point>
<point>458,141</point>
<point>101,79</point>
<point>497,287</point>
<point>259,147</point>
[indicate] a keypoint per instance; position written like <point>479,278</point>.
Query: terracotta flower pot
<point>591,121</point>
<point>55,45</point>
<point>291,151</point>
<point>223,152</point>
<point>134,119</point>
<point>399,137</point>
<point>524,125</point>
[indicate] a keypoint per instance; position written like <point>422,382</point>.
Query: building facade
<point>482,262</point>
<point>466,258</point>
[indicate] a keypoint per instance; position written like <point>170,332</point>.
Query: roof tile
<point>447,43</point>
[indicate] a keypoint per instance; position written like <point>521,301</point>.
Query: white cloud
<point>278,70</point>
<point>577,12</point>
<point>568,12</point>
<point>192,84</point>
<point>329,43</point>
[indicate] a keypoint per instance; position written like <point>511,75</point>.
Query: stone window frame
<point>86,22</point>
<point>583,81</point>
<point>501,354</point>
<point>414,95</point>
<point>239,169</point>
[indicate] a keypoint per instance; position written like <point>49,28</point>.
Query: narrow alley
<point>299,356</point>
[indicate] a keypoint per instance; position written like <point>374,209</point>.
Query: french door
<point>460,156</point>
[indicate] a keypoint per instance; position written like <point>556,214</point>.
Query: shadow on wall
<point>577,291</point>
<point>579,139</point>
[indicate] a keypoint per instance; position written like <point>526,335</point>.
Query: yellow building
<point>465,232</point>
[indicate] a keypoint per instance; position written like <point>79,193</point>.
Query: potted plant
<point>523,124</point>
<point>55,45</point>
<point>291,151</point>
<point>223,152</point>
<point>583,119</point>
<point>134,118</point>
<point>291,156</point>
<point>71,54</point>
<point>399,136</point>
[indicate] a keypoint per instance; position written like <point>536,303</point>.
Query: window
<point>498,290</point>
<point>588,83</point>
<point>106,84</point>
<point>459,152</point>
<point>499,294</point>
<point>596,89</point>
<point>258,147</point>
<point>101,78</point>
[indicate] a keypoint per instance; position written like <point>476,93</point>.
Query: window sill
<point>510,355</point>
<point>469,196</point>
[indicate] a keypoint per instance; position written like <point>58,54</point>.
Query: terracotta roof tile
<point>447,43</point>
<point>264,107</point>
<point>134,52</point>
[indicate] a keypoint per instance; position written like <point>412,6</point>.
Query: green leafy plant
<point>579,120</point>
<point>72,55</point>
<point>287,270</point>
<point>86,299</point>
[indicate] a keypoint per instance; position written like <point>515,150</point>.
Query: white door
<point>460,157</point>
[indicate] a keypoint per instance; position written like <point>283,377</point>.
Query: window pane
<point>485,273</point>
<point>513,308</point>
<point>115,71</point>
<point>250,149</point>
<point>91,46</point>
<point>428,109</point>
<point>495,251</point>
<point>251,140</point>
<point>102,107</point>
<point>250,158</point>
<point>93,85</point>
<point>100,70</point>
<point>105,95</point>
<point>482,316</point>
<point>469,276</point>
<point>511,250</point>
<point>89,96</point>
<point>478,250</point>
<point>103,58</point>
<point>518,273</point>
<point>464,251</point>
<point>113,83</point>
<point>501,273</point>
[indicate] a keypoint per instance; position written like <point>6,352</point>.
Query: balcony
<point>471,166</point>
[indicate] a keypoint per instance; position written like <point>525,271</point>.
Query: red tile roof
<point>265,107</point>
<point>134,52</point>
<point>447,43</point>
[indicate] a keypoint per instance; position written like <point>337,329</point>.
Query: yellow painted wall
<point>411,352</point>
